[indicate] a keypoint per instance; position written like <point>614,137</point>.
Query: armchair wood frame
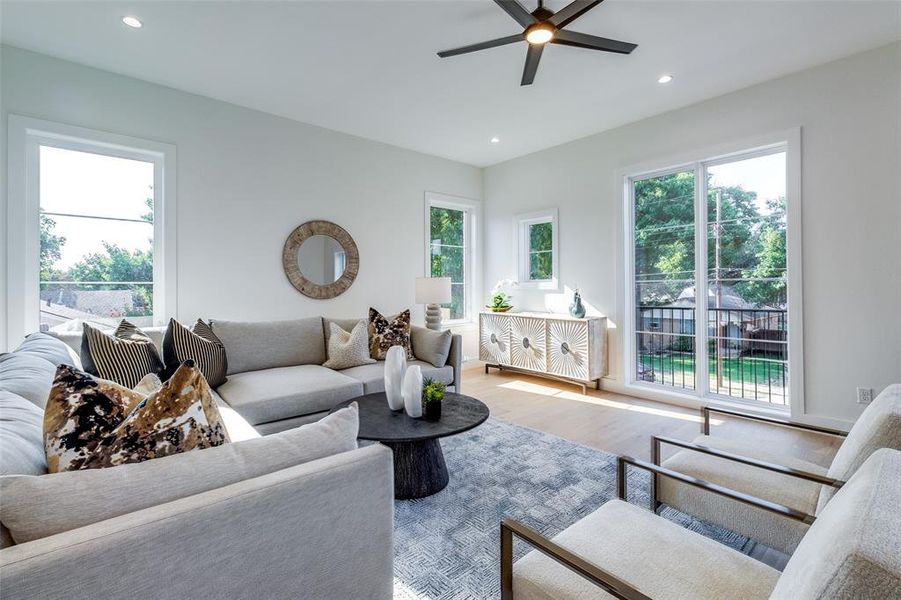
<point>608,582</point>
<point>658,440</point>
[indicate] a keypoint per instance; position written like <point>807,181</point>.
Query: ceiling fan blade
<point>482,45</point>
<point>517,11</point>
<point>532,58</point>
<point>592,42</point>
<point>571,12</point>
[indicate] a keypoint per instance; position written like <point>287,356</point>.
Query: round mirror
<point>320,259</point>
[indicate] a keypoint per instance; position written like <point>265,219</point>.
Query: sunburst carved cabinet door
<point>528,343</point>
<point>494,339</point>
<point>572,349</point>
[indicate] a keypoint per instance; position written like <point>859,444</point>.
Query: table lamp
<point>433,292</point>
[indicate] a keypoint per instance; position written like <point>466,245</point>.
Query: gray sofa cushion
<point>275,394</point>
<point>27,375</point>
<point>237,426</point>
<point>50,349</point>
<point>36,507</point>
<point>430,346</point>
<point>253,346</point>
<point>373,376</point>
<point>73,338</point>
<point>21,437</point>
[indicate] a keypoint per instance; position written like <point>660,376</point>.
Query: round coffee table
<point>419,467</point>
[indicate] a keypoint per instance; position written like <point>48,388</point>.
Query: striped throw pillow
<point>124,357</point>
<point>199,344</point>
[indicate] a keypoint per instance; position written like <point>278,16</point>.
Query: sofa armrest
<point>288,533</point>
<point>455,359</point>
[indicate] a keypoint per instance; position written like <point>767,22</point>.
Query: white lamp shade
<point>433,290</point>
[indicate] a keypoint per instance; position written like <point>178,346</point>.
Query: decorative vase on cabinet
<point>555,346</point>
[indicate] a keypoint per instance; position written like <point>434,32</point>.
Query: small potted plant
<point>432,395</point>
<point>500,302</point>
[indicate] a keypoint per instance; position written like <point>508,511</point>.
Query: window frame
<point>522,222</point>
<point>788,141</point>
<point>471,237</point>
<point>25,137</point>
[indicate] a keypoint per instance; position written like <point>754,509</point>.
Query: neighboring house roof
<point>728,299</point>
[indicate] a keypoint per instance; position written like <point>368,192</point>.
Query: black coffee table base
<point>419,468</point>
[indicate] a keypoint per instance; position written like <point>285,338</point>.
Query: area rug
<point>447,545</point>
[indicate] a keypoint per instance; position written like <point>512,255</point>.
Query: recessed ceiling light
<point>132,22</point>
<point>665,78</point>
<point>495,140</point>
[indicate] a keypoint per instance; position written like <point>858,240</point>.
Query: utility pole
<point>718,293</point>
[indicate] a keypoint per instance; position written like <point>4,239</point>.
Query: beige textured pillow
<point>36,506</point>
<point>346,350</point>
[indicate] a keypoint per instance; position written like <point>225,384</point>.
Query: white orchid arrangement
<point>499,298</point>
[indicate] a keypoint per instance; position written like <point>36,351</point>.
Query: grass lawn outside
<point>739,375</point>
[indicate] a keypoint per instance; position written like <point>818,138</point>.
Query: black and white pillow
<point>124,357</point>
<point>199,344</point>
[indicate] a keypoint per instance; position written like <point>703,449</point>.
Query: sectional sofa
<point>276,380</point>
<point>267,516</point>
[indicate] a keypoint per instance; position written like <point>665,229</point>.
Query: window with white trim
<point>89,210</point>
<point>451,225</point>
<point>727,226</point>
<point>537,249</point>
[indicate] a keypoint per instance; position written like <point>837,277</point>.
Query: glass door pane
<point>664,279</point>
<point>747,319</point>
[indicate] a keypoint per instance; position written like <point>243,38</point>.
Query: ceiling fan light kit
<point>542,27</point>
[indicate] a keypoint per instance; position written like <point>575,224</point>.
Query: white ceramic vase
<point>413,391</point>
<point>395,365</point>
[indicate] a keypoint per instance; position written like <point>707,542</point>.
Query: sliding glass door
<point>718,226</point>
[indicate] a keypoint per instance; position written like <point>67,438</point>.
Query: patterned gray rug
<point>446,545</point>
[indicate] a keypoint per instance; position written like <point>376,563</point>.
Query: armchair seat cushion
<point>780,533</point>
<point>372,376</point>
<point>659,558</point>
<point>284,392</point>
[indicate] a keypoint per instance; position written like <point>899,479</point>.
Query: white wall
<point>245,180</point>
<point>850,115</point>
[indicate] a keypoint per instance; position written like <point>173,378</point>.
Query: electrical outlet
<point>864,395</point>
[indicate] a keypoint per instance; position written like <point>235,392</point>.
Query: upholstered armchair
<point>771,473</point>
<point>853,550</point>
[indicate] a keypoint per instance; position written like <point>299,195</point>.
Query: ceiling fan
<point>543,26</point>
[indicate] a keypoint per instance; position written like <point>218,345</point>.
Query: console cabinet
<point>545,344</point>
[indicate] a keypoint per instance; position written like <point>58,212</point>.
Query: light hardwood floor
<point>617,423</point>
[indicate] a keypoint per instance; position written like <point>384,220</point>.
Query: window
<point>451,226</point>
<point>96,253</point>
<point>89,212</point>
<point>724,226</point>
<point>538,256</point>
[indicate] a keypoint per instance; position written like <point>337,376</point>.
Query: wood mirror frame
<point>292,267</point>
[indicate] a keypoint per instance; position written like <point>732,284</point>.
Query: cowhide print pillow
<point>91,423</point>
<point>384,333</point>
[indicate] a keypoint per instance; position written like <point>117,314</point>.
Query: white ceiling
<point>369,67</point>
